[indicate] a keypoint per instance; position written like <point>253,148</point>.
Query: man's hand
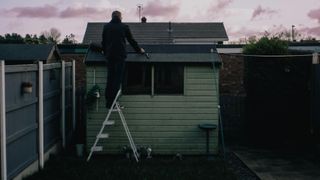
<point>142,51</point>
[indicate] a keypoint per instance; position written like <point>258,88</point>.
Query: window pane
<point>168,78</point>
<point>137,79</point>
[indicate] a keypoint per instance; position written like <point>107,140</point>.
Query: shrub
<point>267,46</point>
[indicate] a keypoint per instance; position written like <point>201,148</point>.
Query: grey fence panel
<point>22,124</point>
<point>52,109</point>
<point>22,112</point>
<point>233,117</point>
<point>316,100</point>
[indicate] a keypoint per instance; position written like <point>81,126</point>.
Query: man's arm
<point>132,42</point>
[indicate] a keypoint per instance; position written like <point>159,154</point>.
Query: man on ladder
<point>113,43</point>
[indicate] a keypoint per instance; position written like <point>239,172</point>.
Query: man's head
<point>116,15</point>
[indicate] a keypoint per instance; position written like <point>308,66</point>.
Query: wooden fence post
<point>73,94</point>
<point>63,103</point>
<point>3,122</point>
<point>315,58</point>
<point>41,123</point>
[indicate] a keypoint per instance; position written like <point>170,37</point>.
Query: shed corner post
<point>73,94</point>
<point>63,99</point>
<point>3,122</point>
<point>315,58</point>
<point>41,121</point>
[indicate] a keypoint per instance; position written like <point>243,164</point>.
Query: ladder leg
<point>115,105</point>
<point>103,124</point>
<point>125,126</point>
<point>95,143</point>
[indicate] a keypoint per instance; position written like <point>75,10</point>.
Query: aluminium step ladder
<point>115,107</point>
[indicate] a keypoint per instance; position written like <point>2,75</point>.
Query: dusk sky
<point>242,18</point>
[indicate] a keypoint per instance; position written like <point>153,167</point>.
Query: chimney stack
<point>170,27</point>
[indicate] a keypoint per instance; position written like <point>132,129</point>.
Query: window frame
<point>152,91</point>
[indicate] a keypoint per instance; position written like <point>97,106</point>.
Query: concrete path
<point>280,165</point>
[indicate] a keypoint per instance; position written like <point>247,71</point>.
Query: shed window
<point>137,78</point>
<point>168,78</point>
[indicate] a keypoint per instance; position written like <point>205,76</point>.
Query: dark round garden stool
<point>207,128</point>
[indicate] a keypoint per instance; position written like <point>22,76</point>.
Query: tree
<point>53,35</point>
<point>267,46</point>
<point>43,39</point>
<point>28,39</point>
<point>35,39</point>
<point>1,39</point>
<point>69,39</point>
<point>12,38</point>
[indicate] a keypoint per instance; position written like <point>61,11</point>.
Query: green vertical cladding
<point>166,123</point>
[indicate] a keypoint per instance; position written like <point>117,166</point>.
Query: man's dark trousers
<point>115,69</point>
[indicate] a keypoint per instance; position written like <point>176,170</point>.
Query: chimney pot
<point>143,20</point>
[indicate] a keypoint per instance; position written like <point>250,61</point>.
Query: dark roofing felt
<point>26,52</point>
<point>164,53</point>
<point>158,33</point>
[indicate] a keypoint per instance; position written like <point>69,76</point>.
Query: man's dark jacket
<point>114,38</point>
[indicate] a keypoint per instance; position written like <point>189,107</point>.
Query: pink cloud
<point>218,9</point>
<point>315,14</point>
<point>259,11</point>
<point>220,6</point>
<point>244,32</point>
<point>72,12</point>
<point>311,31</point>
<point>45,11</point>
<point>157,8</point>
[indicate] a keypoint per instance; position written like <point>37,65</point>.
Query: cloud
<point>315,14</point>
<point>50,11</point>
<point>244,32</point>
<point>157,8</point>
<point>45,11</point>
<point>218,9</point>
<point>311,31</point>
<point>259,11</point>
<point>221,5</point>
<point>74,12</point>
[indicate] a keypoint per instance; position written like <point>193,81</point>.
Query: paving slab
<point>279,165</point>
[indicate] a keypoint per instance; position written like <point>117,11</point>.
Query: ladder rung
<point>97,148</point>
<point>106,123</point>
<point>103,136</point>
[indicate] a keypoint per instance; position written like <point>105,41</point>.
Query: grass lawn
<point>116,167</point>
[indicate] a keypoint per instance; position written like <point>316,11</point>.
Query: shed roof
<point>159,33</point>
<point>28,52</point>
<point>164,53</point>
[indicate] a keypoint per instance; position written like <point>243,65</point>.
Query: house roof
<point>311,49</point>
<point>159,33</point>
<point>164,53</point>
<point>27,52</point>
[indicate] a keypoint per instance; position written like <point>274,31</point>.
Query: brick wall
<point>231,75</point>
<point>80,68</point>
<point>232,97</point>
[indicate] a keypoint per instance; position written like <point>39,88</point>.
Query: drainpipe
<point>218,99</point>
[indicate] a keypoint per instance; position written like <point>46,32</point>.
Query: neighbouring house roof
<point>28,52</point>
<point>73,48</point>
<point>160,33</point>
<point>164,53</point>
<point>311,49</point>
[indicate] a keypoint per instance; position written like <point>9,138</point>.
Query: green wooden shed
<point>165,97</point>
